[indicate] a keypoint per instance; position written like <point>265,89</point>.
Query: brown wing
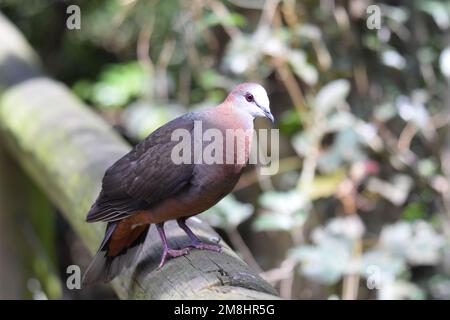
<point>144,176</point>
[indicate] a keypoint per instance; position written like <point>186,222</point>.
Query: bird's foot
<point>206,246</point>
<point>172,253</point>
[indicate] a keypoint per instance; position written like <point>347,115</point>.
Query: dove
<point>147,187</point>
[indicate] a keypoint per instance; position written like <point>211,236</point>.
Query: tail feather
<point>105,209</point>
<point>103,267</point>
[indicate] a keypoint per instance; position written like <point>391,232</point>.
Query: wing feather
<point>144,176</point>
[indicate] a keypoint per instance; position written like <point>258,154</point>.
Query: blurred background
<point>360,208</point>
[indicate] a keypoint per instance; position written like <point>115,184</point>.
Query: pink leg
<point>167,252</point>
<point>195,241</point>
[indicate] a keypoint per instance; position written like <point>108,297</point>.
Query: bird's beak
<point>269,116</point>
<point>266,111</point>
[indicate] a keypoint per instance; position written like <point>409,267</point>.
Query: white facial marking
<point>253,99</point>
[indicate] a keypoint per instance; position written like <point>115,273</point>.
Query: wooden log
<point>65,148</point>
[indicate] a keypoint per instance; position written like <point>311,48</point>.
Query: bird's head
<point>252,98</point>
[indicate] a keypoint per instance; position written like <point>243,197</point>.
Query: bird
<point>145,187</point>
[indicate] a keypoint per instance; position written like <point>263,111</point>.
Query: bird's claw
<point>206,246</point>
<point>173,253</point>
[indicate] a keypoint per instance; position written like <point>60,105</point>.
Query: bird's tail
<point>103,267</point>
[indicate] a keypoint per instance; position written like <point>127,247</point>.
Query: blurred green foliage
<point>116,86</point>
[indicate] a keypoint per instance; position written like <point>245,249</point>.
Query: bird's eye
<point>249,97</point>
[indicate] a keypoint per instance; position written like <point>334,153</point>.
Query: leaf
<point>332,95</point>
<point>387,263</point>
<point>339,121</point>
<point>83,89</point>
<point>279,222</point>
<point>209,79</point>
<point>444,62</point>
<point>439,11</point>
<point>325,264</point>
<point>284,202</point>
<point>345,149</point>
<point>413,109</point>
<point>393,59</point>
<point>273,222</point>
<point>385,112</point>
<point>323,186</point>
<point>416,241</point>
<point>141,118</point>
<point>241,55</point>
<point>228,213</point>
<point>282,211</point>
<point>106,95</point>
<point>304,70</point>
<point>400,290</point>
<point>396,190</point>
<point>303,141</point>
<point>289,122</point>
<point>330,257</point>
<point>231,19</point>
<point>414,211</point>
<point>349,227</point>
<point>427,167</point>
<point>272,43</point>
<point>396,13</point>
<point>116,86</point>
